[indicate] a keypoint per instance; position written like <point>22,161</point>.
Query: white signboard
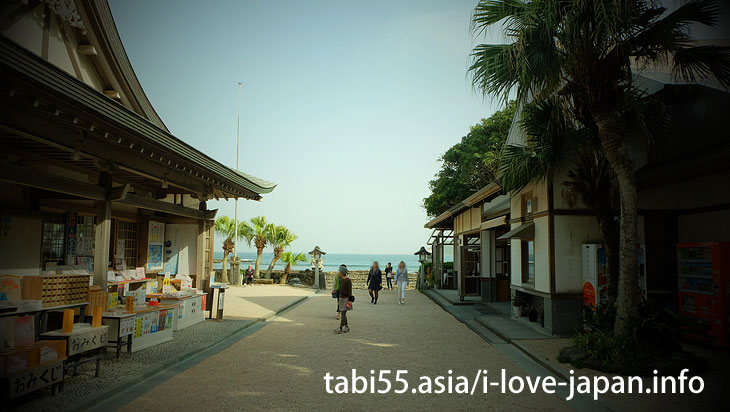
<point>87,340</point>
<point>28,380</point>
<point>126,326</point>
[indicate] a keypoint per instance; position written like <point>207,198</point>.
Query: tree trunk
<point>224,271</point>
<point>277,255</point>
<point>612,140</point>
<point>259,252</point>
<point>284,277</point>
<point>610,234</point>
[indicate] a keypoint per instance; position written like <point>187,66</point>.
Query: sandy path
<point>281,367</point>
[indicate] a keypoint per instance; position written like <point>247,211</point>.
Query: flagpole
<point>238,143</point>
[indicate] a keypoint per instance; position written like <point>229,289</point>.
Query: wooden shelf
<point>44,309</point>
<point>122,282</point>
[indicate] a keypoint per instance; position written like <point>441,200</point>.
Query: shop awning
<point>526,231</point>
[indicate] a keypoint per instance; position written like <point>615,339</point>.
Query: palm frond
<point>224,226</point>
<point>694,63</point>
<point>549,142</point>
<point>519,166</point>
<point>531,62</point>
<point>494,68</point>
<point>656,37</point>
<point>489,12</point>
<point>246,232</point>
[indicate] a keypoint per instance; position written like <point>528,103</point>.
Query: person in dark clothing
<point>336,291</point>
<point>375,282</point>
<point>248,278</point>
<point>345,305</point>
<point>389,275</point>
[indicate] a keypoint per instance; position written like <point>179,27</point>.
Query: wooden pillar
<point>102,234</point>
<point>488,273</point>
<point>202,249</point>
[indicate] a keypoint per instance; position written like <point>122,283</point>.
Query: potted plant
<point>516,306</point>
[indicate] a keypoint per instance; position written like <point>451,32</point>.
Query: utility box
<point>595,277</point>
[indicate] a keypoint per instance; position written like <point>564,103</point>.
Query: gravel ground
<point>281,367</point>
<point>711,399</point>
<point>260,302</point>
<point>242,306</point>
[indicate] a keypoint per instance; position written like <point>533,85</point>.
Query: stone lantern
<point>317,265</point>
<point>423,256</point>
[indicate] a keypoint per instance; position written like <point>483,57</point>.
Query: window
<point>85,234</point>
<point>125,244</point>
<point>528,261</point>
<point>53,239</point>
<point>529,205</point>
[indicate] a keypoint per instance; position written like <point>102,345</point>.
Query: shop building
<point>481,260</point>
<point>87,164</point>
<point>103,211</point>
<point>678,181</point>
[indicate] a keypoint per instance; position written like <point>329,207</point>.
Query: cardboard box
<point>7,333</point>
<point>34,354</point>
<point>51,350</point>
<point>24,330</point>
<point>32,287</point>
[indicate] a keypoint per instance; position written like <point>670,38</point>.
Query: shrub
<point>653,343</point>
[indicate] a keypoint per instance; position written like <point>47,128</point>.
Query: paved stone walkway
<point>281,366</point>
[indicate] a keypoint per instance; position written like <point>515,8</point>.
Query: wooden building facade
<point>88,170</point>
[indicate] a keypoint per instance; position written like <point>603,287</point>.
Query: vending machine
<point>704,291</point>
<point>595,280</point>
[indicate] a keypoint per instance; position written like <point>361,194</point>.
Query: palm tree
<point>291,260</point>
<point>281,238</point>
<point>225,226</point>
<point>258,234</point>
<point>585,52</point>
<point>554,142</point>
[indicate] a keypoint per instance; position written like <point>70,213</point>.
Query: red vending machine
<point>704,291</point>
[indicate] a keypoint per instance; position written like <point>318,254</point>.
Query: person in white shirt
<point>401,280</point>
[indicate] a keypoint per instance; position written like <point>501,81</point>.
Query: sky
<point>346,105</point>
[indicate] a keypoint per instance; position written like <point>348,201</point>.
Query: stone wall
<point>360,277</point>
<point>306,276</point>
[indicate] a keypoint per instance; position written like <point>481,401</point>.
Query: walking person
<point>375,282</point>
<point>401,280</point>
<point>344,299</point>
<point>248,275</point>
<point>389,275</point>
<point>336,291</point>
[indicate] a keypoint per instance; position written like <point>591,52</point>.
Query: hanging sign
<point>155,243</point>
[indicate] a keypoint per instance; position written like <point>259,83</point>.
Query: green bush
<point>653,343</point>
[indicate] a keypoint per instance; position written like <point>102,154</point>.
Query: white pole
<point>238,142</point>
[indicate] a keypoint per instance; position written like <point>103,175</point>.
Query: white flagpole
<point>238,142</point>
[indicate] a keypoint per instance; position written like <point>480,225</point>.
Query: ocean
<point>332,261</point>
